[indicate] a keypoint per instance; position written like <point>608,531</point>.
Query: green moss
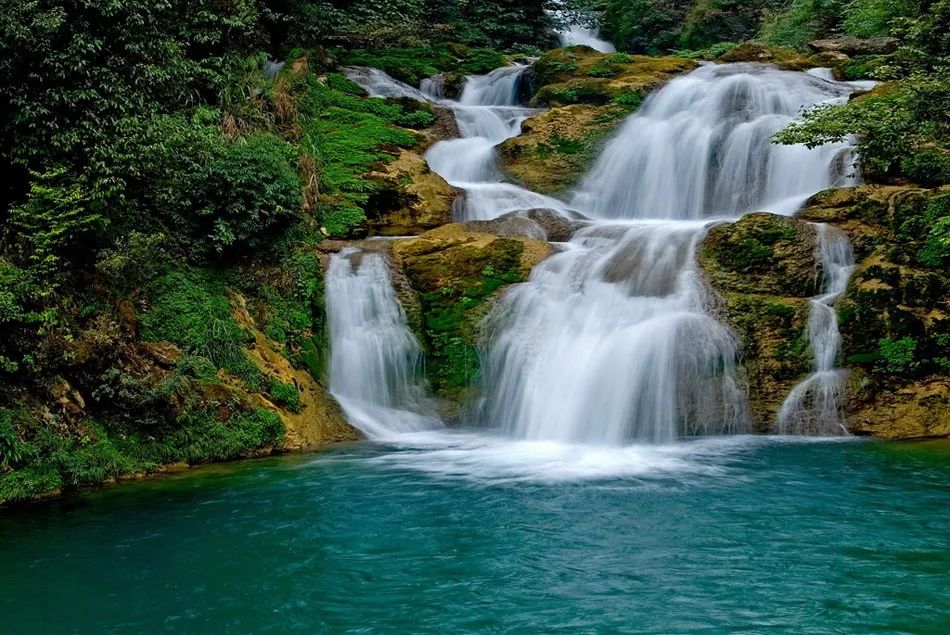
<point>190,308</point>
<point>285,395</point>
<point>455,286</point>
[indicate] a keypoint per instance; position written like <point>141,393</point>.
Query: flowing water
<point>581,509</point>
<point>732,535</point>
<point>814,406</point>
<point>375,361</point>
<point>613,340</point>
<point>580,35</point>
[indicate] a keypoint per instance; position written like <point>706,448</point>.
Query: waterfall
<point>813,406</point>
<point>487,114</point>
<point>701,146</point>
<point>611,340</point>
<point>608,343</point>
<point>580,35</point>
<point>375,361</point>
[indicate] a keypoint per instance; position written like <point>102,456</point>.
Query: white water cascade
<point>375,361</point>
<point>813,407</point>
<point>487,114</point>
<point>609,343</point>
<point>580,35</point>
<point>612,340</point>
<point>702,147</point>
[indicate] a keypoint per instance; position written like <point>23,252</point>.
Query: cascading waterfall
<point>611,341</point>
<point>579,35</point>
<point>375,361</point>
<point>487,115</point>
<point>813,407</point>
<point>701,146</point>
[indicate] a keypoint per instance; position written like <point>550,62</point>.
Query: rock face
<point>318,420</point>
<point>413,198</point>
<point>764,269</point>
<point>458,273</point>
<point>557,146</point>
<point>894,317</point>
<point>855,46</point>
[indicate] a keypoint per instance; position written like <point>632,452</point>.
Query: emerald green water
<point>746,535</point>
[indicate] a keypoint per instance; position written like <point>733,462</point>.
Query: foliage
<point>898,356</point>
<point>902,130</point>
<point>285,394</point>
<point>191,309</point>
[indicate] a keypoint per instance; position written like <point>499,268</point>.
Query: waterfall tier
<point>375,361</point>
<point>814,406</point>
<point>702,146</point>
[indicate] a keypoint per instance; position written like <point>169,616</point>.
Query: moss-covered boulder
<point>581,75</point>
<point>409,198</point>
<point>557,147</point>
<point>764,269</point>
<point>895,316</point>
<point>458,273</point>
<point>784,58</point>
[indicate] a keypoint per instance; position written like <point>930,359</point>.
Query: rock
<point>556,147</point>
<point>539,224</point>
<point>581,75</point>
<point>412,199</point>
<point>754,52</point>
<point>763,254</point>
<point>855,46</point>
<point>458,273</point>
<point>320,420</point>
<point>764,268</point>
<point>920,409</point>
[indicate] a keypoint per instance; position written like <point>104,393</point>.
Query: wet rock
<point>459,272</point>
<point>763,269</point>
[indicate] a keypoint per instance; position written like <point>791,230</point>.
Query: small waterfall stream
<point>813,407</point>
<point>375,361</point>
<point>612,340</point>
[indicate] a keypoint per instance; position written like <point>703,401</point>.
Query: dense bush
<point>902,129</point>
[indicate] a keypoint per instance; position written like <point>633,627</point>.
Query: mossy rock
<point>409,197</point>
<point>557,147</point>
<point>581,75</point>
<point>764,269</point>
<point>898,299</point>
<point>762,253</point>
<point>786,59</point>
<point>459,273</point>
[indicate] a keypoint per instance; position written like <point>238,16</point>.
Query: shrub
<point>285,395</point>
<point>898,356</point>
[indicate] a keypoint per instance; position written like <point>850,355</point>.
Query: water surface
<point>473,534</point>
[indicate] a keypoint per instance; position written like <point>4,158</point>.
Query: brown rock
<point>855,46</point>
